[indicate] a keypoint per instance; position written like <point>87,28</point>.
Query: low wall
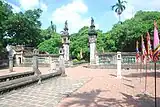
<point>128,60</point>
<point>111,58</point>
<point>44,60</point>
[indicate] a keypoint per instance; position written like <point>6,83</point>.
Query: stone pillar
<point>10,63</point>
<point>35,62</point>
<point>52,64</point>
<point>119,65</point>
<point>66,51</point>
<point>10,57</point>
<point>61,62</point>
<point>18,60</point>
<point>92,42</point>
<point>65,41</point>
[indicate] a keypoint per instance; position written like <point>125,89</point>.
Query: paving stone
<point>47,94</point>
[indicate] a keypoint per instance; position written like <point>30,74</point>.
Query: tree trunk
<point>119,18</point>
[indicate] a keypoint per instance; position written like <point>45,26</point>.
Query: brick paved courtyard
<point>89,88</point>
<point>47,94</point>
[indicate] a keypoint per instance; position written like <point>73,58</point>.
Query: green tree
<point>51,45</point>
<point>126,34</point>
<point>119,7</point>
<point>53,27</point>
<point>5,12</point>
<point>24,28</point>
<point>80,41</point>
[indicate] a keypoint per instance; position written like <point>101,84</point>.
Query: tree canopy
<point>51,45</point>
<point>130,30</point>
<point>24,28</point>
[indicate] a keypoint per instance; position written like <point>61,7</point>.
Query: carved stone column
<point>92,42</point>
<point>65,42</point>
<point>61,62</point>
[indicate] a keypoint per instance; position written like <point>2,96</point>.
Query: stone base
<point>39,81</point>
<point>53,70</point>
<point>63,75</point>
<point>119,77</point>
<point>37,71</point>
<point>11,71</point>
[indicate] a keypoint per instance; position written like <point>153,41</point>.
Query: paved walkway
<point>47,94</point>
<point>105,90</point>
<point>96,88</point>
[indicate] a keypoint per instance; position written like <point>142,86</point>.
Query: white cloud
<point>43,6</point>
<point>145,4</point>
<point>129,12</point>
<point>15,9</point>
<point>32,4</point>
<point>29,4</point>
<point>73,13</point>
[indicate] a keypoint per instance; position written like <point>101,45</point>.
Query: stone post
<point>61,62</point>
<point>52,64</point>
<point>10,63</point>
<point>119,65</point>
<point>35,65</point>
<point>92,41</point>
<point>10,57</point>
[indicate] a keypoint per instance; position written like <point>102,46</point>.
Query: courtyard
<point>85,87</point>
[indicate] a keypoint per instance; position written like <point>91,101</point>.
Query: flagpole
<point>146,77</point>
<point>155,84</point>
<point>137,64</point>
<point>141,69</point>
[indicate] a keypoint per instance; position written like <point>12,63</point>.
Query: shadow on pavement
<point>88,99</point>
<point>149,74</point>
<point>128,85</point>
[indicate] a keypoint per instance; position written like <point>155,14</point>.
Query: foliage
<point>24,28</point>
<point>79,41</point>
<point>5,12</point>
<point>76,62</point>
<point>51,45</point>
<point>129,31</point>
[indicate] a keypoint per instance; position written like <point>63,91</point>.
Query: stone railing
<point>128,60</point>
<point>13,81</point>
<point>43,60</point>
<point>111,58</point>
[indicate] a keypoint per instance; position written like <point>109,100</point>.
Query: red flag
<point>144,53</point>
<point>156,43</point>
<point>149,48</point>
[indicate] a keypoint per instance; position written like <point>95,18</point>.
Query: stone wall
<point>111,58</point>
<point>44,60</point>
<point>109,61</point>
